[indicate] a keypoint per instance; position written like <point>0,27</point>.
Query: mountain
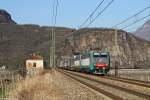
<point>19,41</point>
<point>5,18</point>
<point>126,49</point>
<point>144,31</point>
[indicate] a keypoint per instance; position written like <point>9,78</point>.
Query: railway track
<point>114,91</point>
<point>131,81</point>
<point>111,96</point>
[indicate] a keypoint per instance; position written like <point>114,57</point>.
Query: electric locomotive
<point>91,62</point>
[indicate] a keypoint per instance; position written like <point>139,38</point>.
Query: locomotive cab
<point>101,62</point>
<point>89,61</point>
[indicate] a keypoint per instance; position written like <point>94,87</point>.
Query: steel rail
<point>110,95</point>
<point>147,96</point>
<point>126,80</point>
<point>131,81</point>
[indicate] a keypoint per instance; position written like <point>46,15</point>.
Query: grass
<point>39,87</point>
<point>1,93</point>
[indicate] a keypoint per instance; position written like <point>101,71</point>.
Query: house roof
<point>35,57</point>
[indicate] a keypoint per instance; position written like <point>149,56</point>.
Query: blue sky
<point>71,13</point>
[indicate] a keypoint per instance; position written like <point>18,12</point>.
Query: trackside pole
<point>116,55</point>
<point>116,68</point>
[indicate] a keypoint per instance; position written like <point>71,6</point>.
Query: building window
<point>34,64</point>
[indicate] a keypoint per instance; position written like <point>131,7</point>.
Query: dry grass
<point>39,87</point>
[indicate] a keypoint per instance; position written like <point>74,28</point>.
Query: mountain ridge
<point>5,17</point>
<point>19,41</point>
<point>144,31</point>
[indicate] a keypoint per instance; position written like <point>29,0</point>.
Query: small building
<point>34,62</point>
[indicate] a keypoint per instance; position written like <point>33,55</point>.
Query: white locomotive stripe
<point>77,63</point>
<point>85,62</point>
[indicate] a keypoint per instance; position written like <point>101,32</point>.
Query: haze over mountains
<point>18,41</point>
<point>144,31</point>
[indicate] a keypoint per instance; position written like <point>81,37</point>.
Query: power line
<point>92,13</point>
<point>100,12</point>
<point>136,21</point>
<point>131,16</point>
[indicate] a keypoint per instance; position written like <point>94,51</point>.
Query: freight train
<point>89,61</point>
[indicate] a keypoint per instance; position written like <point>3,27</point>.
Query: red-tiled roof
<point>35,57</point>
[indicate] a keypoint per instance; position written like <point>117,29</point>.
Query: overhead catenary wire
<point>127,19</point>
<point>89,17</point>
<point>92,13</point>
<point>100,12</point>
<point>136,21</point>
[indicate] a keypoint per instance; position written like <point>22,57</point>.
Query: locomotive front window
<point>100,58</point>
<point>96,54</point>
<point>104,56</point>
<point>103,60</point>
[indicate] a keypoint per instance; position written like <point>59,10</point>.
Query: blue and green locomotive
<point>89,61</point>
